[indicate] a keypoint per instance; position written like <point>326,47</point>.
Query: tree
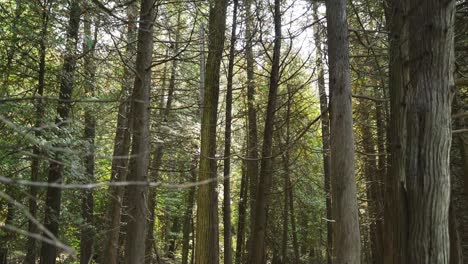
<point>87,232</point>
<point>429,100</point>
<point>139,160</point>
<point>53,196</point>
<point>207,200</point>
<point>346,236</point>
<point>325,127</point>
<point>256,252</point>
<point>227,143</point>
<point>122,143</point>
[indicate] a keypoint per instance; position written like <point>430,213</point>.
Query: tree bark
<point>227,143</point>
<point>252,132</point>
<point>207,248</point>
<point>139,159</point>
<point>429,99</point>
<point>53,196</point>
<point>395,224</point>
<point>122,143</point>
<point>346,235</point>
<point>256,252</point>
<point>325,120</point>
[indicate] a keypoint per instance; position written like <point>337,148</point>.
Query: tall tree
<point>206,246</point>
<point>227,143</point>
<point>346,236</point>
<point>325,120</point>
<point>256,252</point>
<point>54,194</point>
<point>122,143</point>
<point>159,148</point>
<point>87,207</point>
<point>139,158</point>
<point>394,208</point>
<point>241,219</point>
<point>429,101</point>
<point>35,161</point>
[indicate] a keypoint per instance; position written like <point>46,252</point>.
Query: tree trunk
<point>429,100</point>
<point>293,225</point>
<point>227,144</point>
<point>241,224</point>
<point>53,196</point>
<point>346,235</point>
<point>87,207</point>
<point>159,149</point>
<point>139,159</point>
<point>207,248</point>
<point>35,162</point>
<point>121,147</point>
<point>256,252</point>
<point>370,172</point>
<point>395,225</point>
<point>252,133</point>
<point>325,127</point>
<point>188,216</point>
<point>456,254</point>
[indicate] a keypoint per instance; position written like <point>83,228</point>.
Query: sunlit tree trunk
<point>206,247</point>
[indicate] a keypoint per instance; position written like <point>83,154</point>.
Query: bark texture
<point>429,101</point>
<point>346,235</point>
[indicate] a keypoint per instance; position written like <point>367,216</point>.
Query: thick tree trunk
<point>121,147</point>
<point>206,247</point>
<point>256,252</point>
<point>429,100</point>
<point>87,207</point>
<point>227,144</point>
<point>139,159</point>
<point>53,196</point>
<point>35,162</point>
<point>346,235</point>
<point>325,127</point>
